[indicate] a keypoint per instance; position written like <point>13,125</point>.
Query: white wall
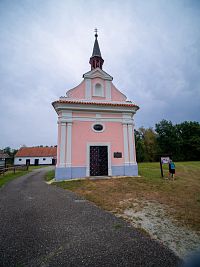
<point>48,160</point>
<point>2,163</point>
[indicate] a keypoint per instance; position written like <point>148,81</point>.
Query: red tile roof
<point>97,103</point>
<point>37,152</point>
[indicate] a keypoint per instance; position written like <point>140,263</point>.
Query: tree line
<point>182,141</point>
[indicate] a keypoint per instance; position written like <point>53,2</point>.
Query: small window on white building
<point>98,90</point>
<point>44,158</point>
<point>20,159</point>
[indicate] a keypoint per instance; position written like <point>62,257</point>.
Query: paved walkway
<point>43,225</point>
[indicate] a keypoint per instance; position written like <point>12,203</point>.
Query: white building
<point>3,158</point>
<point>36,156</point>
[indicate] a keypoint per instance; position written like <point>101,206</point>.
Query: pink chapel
<point>95,127</point>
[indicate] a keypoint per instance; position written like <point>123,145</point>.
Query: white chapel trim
<point>62,144</point>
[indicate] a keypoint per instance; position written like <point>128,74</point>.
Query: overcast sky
<point>151,48</point>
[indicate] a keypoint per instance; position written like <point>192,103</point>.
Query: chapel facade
<point>95,127</point>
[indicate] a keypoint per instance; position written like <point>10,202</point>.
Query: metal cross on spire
<point>95,30</point>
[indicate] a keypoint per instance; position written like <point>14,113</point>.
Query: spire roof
<point>96,61</point>
<point>96,49</point>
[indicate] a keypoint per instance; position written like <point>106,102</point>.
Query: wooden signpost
<point>164,159</point>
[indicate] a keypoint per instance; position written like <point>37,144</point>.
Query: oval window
<point>98,127</point>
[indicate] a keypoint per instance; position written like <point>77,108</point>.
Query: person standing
<point>171,169</point>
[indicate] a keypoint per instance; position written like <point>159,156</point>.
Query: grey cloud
<point>151,48</point>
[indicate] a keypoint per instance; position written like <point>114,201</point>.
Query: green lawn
<point>49,175</point>
<point>181,195</point>
<point>9,175</point>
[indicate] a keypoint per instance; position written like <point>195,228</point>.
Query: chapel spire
<point>96,61</point>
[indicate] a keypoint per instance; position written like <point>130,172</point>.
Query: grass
<point>9,175</point>
<point>49,175</point>
<point>182,195</point>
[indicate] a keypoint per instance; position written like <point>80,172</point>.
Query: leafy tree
<point>167,138</point>
<point>7,150</point>
<point>139,145</point>
<point>11,153</point>
<point>189,135</point>
<point>146,144</point>
<point>181,140</point>
<point>150,143</point>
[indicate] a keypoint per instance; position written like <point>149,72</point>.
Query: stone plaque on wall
<point>117,154</point>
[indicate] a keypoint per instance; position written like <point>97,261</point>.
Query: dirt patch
<point>155,220</point>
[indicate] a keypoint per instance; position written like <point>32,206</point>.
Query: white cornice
<point>92,107</point>
<point>78,100</point>
<point>97,73</point>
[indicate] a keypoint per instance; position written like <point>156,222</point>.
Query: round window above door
<point>98,127</point>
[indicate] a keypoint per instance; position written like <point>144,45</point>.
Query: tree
<point>167,138</point>
<point>7,150</point>
<point>146,144</point>
<point>189,135</point>
<point>181,140</point>
<point>150,144</point>
<point>139,145</point>
<point>11,153</point>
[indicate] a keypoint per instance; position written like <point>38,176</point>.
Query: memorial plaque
<point>118,155</point>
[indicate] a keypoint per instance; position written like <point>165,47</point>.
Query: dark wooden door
<point>98,160</point>
<point>53,162</point>
<point>36,162</point>
<point>28,162</point>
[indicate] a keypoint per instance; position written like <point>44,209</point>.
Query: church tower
<point>96,61</point>
<point>95,127</point>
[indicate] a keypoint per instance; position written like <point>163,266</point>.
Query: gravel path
<point>153,218</point>
<point>43,225</point>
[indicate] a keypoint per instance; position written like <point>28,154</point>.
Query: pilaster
<point>134,149</point>
<point>125,134</point>
<point>58,146</point>
<point>62,144</point>
<point>69,145</point>
<point>88,88</point>
<point>108,90</point>
<point>131,146</point>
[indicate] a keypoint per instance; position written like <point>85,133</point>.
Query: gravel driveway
<point>43,225</point>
